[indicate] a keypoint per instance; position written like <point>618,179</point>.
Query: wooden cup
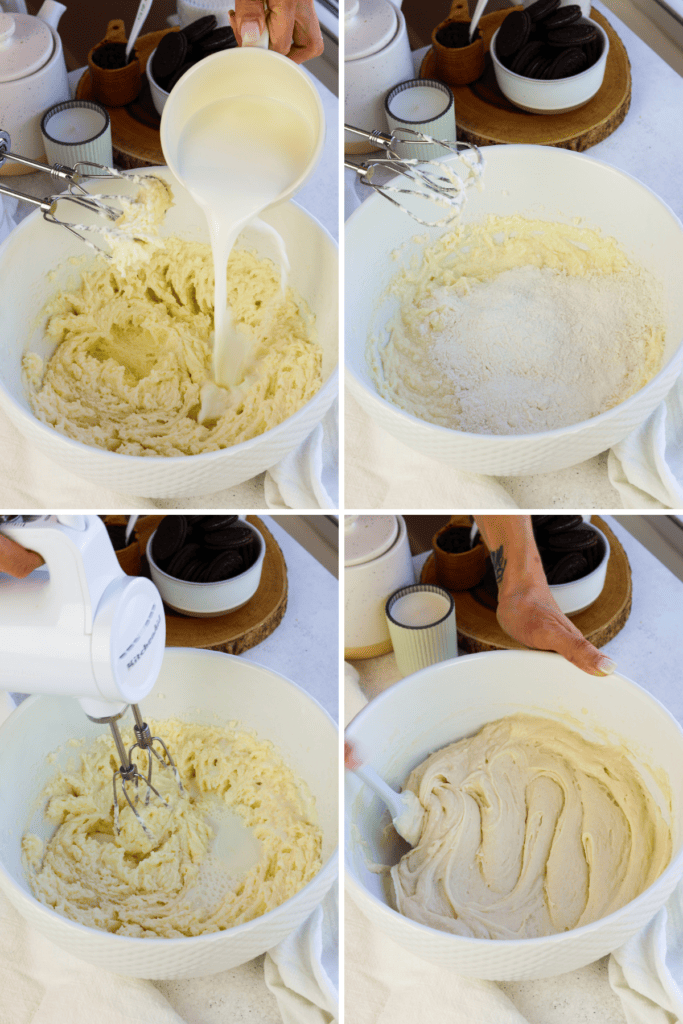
<point>458,65</point>
<point>115,88</point>
<point>462,570</point>
<point>128,557</point>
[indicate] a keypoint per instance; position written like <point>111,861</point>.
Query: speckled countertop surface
<point>648,651</point>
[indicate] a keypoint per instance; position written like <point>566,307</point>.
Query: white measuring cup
<point>242,131</point>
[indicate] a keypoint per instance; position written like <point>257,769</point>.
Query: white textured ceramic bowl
<point>552,96</point>
<point>579,594</point>
<point>446,702</point>
<point>28,284</point>
<point>195,686</point>
<point>159,95</point>
<point>202,600</point>
<point>539,182</point>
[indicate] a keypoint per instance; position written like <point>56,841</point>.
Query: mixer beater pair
<point>86,629</point>
<point>76,194</point>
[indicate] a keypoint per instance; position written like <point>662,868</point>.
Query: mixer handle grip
<point>79,557</point>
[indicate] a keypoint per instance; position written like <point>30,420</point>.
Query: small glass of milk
<point>421,620</point>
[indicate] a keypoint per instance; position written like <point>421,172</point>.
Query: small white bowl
<point>203,600</point>
<point>159,95</point>
<point>579,594</point>
<point>552,96</point>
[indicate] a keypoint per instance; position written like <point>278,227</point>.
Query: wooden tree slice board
<point>135,127</point>
<point>484,117</point>
<point>475,613</point>
<point>243,628</point>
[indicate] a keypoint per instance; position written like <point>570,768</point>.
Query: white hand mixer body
<point>85,629</point>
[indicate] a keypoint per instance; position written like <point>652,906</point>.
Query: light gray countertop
<point>648,651</point>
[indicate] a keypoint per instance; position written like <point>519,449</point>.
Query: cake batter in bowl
<point>536,183</point>
<point>201,688</point>
<point>55,265</point>
<point>455,700</point>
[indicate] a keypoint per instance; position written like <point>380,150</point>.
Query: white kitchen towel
<point>385,984</point>
<point>8,209</point>
<point>309,476</point>
<point>647,971</point>
<point>647,466</point>
<point>302,971</point>
<point>382,472</point>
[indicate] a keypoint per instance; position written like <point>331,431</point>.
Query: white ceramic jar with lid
<point>377,561</point>
<point>32,78</point>
<point>377,57</point>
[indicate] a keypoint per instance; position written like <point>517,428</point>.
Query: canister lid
<point>26,44</point>
<point>369,26</point>
<point>368,537</point>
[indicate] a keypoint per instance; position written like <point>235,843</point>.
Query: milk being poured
<point>237,156</point>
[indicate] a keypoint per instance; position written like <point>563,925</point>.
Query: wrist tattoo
<point>499,562</point>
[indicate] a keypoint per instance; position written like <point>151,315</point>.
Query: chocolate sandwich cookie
<point>174,79</point>
<point>456,35</point>
<point>560,524</point>
<point>222,38</point>
<point>513,33</point>
<point>541,9</point>
<point>567,63</point>
<point>200,28</point>
<point>524,57</point>
<point>182,559</point>
<point>537,67</point>
<point>169,538</point>
<point>572,35</point>
<point>233,537</point>
<point>569,568</point>
<point>558,19</point>
<point>169,56</point>
<point>212,523</point>
<point>224,567</point>
<point>574,540</point>
<point>593,50</point>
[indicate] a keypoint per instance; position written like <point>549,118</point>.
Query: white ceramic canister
<point>32,78</point>
<point>377,57</point>
<point>377,561</point>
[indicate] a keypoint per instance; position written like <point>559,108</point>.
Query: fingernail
<point>251,33</point>
<point>606,666</point>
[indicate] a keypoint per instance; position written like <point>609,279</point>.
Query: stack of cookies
<point>177,52</point>
<point>569,548</point>
<point>547,41</point>
<point>204,549</point>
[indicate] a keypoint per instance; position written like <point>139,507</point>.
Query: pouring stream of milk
<point>237,156</point>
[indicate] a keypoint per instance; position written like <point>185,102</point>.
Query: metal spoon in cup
<point>478,11</point>
<point>143,11</point>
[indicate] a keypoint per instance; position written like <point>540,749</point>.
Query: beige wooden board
<point>475,610</point>
<point>135,127</point>
<point>484,117</point>
<point>243,628</point>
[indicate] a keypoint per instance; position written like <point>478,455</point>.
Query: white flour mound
<point>516,349</point>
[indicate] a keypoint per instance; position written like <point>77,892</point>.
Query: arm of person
<point>17,561</point>
<point>527,610</point>
<point>293,26</point>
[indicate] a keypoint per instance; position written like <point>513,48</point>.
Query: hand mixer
<point>85,629</point>
<point>73,177</point>
<point>432,179</point>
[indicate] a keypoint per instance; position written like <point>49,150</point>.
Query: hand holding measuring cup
<point>292,25</point>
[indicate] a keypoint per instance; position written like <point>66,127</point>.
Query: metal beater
<point>73,177</point>
<point>434,180</point>
<point>86,629</point>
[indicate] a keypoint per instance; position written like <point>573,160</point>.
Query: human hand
<point>292,26</point>
<point>528,612</point>
<point>17,561</point>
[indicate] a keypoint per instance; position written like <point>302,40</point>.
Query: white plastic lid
<point>26,44</point>
<point>368,537</point>
<point>369,26</point>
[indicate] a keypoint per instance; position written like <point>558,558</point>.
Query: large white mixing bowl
<point>537,182</point>
<point>195,686</point>
<point>446,702</point>
<point>35,249</point>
